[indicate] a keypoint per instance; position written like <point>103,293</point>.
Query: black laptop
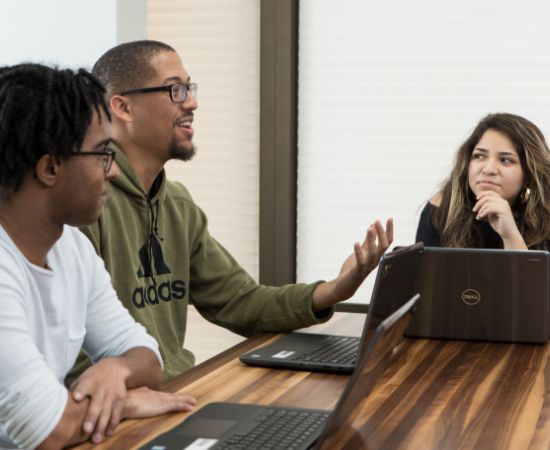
<point>246,426</point>
<point>394,282</point>
<point>483,294</point>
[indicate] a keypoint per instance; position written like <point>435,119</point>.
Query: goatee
<point>182,152</point>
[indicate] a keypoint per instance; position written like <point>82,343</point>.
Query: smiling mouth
<point>185,124</point>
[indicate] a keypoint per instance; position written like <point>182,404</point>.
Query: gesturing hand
<point>356,267</point>
<point>368,254</point>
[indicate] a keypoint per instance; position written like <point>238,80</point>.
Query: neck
<point>145,163</point>
<point>146,169</point>
<point>25,221</point>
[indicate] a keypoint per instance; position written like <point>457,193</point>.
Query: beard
<point>181,152</point>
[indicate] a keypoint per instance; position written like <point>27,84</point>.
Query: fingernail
<point>88,427</point>
<point>77,396</point>
<point>97,438</point>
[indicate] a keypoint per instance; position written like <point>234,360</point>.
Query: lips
<point>186,122</point>
<point>487,183</point>
<point>185,125</point>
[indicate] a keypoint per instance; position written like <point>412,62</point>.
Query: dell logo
<point>471,297</point>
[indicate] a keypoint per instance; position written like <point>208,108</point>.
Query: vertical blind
<point>388,90</point>
<point>219,43</point>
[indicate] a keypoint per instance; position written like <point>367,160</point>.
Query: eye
<point>478,155</point>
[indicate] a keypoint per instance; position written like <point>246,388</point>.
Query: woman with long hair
<point>498,192</point>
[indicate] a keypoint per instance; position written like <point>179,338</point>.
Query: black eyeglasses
<point>178,91</point>
<point>107,157</point>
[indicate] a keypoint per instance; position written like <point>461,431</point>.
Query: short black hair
<point>43,110</point>
<point>127,66</point>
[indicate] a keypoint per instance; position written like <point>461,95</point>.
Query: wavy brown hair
<point>454,218</point>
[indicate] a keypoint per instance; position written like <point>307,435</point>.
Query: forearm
<point>323,297</point>
<point>512,239</point>
<point>142,368</point>
<point>69,430</point>
<point>515,242</point>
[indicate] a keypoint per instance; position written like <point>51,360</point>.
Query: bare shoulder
<point>436,199</point>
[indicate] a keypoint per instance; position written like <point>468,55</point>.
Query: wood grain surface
<point>434,395</point>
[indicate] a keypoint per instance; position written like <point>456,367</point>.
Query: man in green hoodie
<point>154,239</point>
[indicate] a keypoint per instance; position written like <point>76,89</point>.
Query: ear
<point>47,170</point>
<point>121,108</point>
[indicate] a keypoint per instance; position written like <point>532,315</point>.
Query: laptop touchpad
<point>207,428</point>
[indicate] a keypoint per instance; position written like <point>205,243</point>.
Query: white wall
<point>68,33</point>
<point>388,91</point>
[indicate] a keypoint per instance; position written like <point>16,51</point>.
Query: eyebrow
<point>177,80</point>
<point>505,153</point>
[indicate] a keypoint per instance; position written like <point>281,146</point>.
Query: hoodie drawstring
<point>152,219</point>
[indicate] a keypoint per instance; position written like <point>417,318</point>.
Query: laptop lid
<point>395,281</point>
<point>343,430</point>
<point>483,294</point>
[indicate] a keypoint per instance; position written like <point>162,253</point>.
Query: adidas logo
<point>156,293</point>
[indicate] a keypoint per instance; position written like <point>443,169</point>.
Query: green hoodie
<point>161,257</point>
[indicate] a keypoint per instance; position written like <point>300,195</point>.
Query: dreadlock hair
<point>454,218</point>
<point>43,110</point>
<point>127,66</point>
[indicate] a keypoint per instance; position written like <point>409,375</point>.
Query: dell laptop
<point>483,294</point>
<point>246,426</point>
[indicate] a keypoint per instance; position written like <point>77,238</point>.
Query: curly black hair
<point>43,110</point>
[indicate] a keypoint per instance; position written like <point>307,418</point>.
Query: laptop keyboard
<point>279,429</point>
<point>335,349</point>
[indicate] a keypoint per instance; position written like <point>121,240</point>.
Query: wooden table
<point>436,395</point>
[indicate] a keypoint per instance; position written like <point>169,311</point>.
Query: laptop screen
<point>343,429</point>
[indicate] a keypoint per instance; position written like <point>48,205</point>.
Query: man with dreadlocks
<point>154,239</point>
<point>55,294</point>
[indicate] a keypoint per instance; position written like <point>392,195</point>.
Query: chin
<point>88,219</point>
<point>182,154</point>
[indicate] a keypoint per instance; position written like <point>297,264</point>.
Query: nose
<point>113,172</point>
<point>190,103</point>
<point>490,166</point>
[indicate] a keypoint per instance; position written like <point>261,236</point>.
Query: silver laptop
<point>246,426</point>
<point>330,353</point>
<point>483,294</point>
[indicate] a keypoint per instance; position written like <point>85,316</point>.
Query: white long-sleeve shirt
<point>46,316</point>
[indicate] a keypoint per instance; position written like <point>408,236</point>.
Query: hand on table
<point>104,383</point>
<point>144,402</point>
